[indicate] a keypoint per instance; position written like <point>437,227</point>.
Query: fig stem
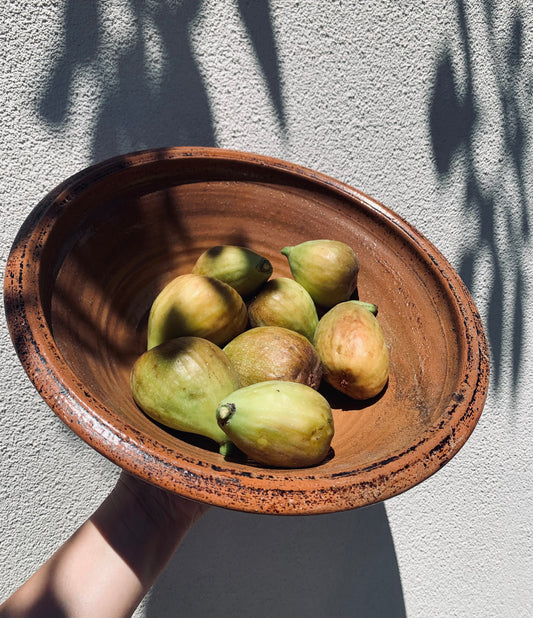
<point>265,266</point>
<point>226,449</point>
<point>286,250</point>
<point>225,412</point>
<point>370,306</point>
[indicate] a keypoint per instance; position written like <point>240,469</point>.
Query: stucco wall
<point>426,106</point>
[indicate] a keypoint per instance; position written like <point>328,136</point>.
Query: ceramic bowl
<point>92,256</point>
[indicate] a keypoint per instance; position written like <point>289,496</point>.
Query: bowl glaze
<point>91,257</point>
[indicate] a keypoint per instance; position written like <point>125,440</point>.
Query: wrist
<point>144,525</point>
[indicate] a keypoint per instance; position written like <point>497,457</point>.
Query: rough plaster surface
<point>426,106</point>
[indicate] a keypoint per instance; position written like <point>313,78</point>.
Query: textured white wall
<point>426,106</point>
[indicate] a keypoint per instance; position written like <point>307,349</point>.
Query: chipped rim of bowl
<point>258,491</point>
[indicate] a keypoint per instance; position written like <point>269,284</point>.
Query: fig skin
<point>284,302</point>
<point>180,382</point>
<point>198,306</point>
<point>327,269</point>
<point>351,344</point>
<point>274,353</point>
<point>278,423</point>
<point>241,268</point>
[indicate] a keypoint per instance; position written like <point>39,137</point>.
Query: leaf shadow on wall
<point>455,119</point>
<point>334,565</point>
<point>145,101</point>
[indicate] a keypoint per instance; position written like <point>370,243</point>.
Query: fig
<point>180,382</point>
<point>240,267</point>
<point>198,306</point>
<point>327,269</point>
<point>274,353</point>
<point>284,302</point>
<point>351,344</point>
<point>278,423</point>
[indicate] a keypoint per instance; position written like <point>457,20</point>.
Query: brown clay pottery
<point>93,255</point>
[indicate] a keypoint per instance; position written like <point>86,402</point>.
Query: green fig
<point>284,302</point>
<point>351,344</point>
<point>278,423</point>
<point>180,382</point>
<point>240,267</point>
<point>274,353</point>
<point>327,269</point>
<point>198,306</point>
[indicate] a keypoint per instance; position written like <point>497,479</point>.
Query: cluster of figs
<point>237,356</point>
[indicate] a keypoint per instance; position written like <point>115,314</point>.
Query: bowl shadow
<point>242,565</point>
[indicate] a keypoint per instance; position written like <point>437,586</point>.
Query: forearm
<point>86,577</point>
<point>109,564</point>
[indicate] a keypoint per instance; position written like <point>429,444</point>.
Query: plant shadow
<point>456,118</point>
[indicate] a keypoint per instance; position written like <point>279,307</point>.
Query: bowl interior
<point>113,236</point>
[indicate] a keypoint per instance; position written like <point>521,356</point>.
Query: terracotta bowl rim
<point>120,443</point>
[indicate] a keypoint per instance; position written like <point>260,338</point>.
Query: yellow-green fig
<point>327,269</point>
<point>284,302</point>
<point>351,344</point>
<point>179,383</point>
<point>240,267</point>
<point>198,306</point>
<point>274,353</point>
<point>278,423</point>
